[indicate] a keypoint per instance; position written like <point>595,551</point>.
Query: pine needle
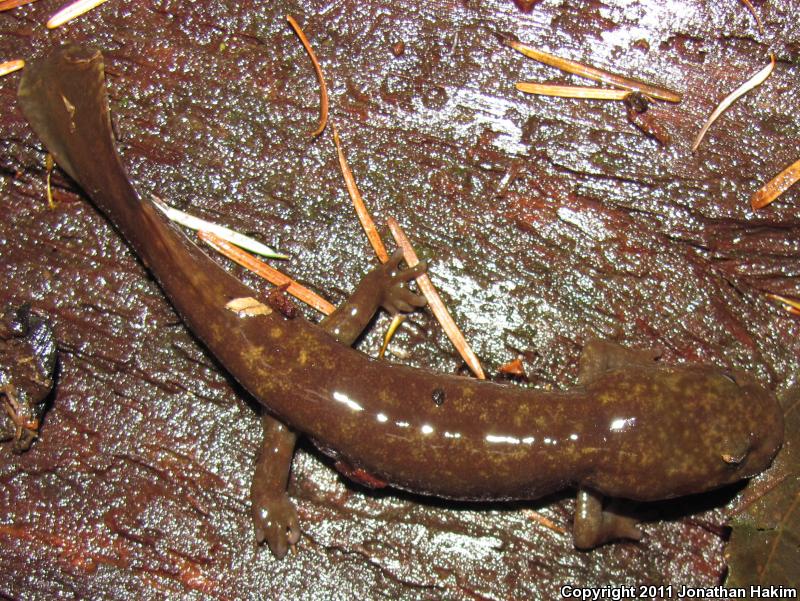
<point>396,321</point>
<point>358,202</point>
<point>196,223</point>
<point>11,66</point>
<point>594,73</point>
<point>755,81</point>
<point>72,11</point>
<point>435,302</point>
<point>545,89</point>
<point>9,4</point>
<point>776,186</point>
<point>267,272</point>
<point>323,90</point>
<point>789,304</point>
<point>753,12</point>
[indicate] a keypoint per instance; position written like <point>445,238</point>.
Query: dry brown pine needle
<point>435,302</point>
<point>753,12</point>
<point>72,11</point>
<point>776,186</point>
<point>9,4</point>
<point>743,89</point>
<point>323,89</point>
<point>358,202</point>
<point>789,304</point>
<point>594,73</point>
<point>272,275</point>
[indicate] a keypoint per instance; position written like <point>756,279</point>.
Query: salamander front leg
<point>595,525</point>
<point>384,286</point>
<point>273,513</point>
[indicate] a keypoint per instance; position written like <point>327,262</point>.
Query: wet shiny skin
<point>632,428</point>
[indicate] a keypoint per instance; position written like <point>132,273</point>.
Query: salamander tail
<point>63,97</point>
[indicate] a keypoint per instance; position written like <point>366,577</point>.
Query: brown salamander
<point>632,428</point>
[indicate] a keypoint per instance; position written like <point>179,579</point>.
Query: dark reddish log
<point>548,222</point>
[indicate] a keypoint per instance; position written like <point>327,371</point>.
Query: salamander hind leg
<point>595,525</point>
<point>600,356</point>
<point>274,515</point>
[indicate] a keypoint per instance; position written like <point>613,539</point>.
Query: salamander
<point>632,428</point>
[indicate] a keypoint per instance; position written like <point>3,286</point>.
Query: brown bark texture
<point>546,221</point>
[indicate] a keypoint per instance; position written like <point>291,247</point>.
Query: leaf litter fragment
<point>755,81</point>
<point>247,306</point>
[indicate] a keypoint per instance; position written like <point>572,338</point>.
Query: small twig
<point>11,66</point>
<point>545,89</point>
<point>361,210</point>
<point>776,186</point>
<point>195,223</point>
<point>789,304</point>
<point>270,274</point>
<point>9,4</point>
<point>593,73</point>
<point>754,81</point>
<point>435,301</point>
<point>72,11</point>
<point>753,12</point>
<point>323,90</point>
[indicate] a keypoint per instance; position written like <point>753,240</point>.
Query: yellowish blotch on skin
<point>275,333</point>
<point>252,357</point>
<point>302,358</point>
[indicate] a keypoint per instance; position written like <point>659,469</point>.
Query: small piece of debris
<point>247,306</point>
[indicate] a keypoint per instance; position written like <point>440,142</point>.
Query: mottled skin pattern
<point>633,428</point>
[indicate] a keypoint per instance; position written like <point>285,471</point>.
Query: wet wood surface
<point>546,221</point>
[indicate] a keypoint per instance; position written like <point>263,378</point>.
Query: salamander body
<point>632,428</point>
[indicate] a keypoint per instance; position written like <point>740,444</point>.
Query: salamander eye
<point>735,460</point>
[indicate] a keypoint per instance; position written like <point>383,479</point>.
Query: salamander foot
<point>275,521</point>
<point>595,525</point>
<point>397,298</point>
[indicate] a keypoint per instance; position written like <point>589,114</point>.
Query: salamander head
<point>690,430</point>
<point>752,439</point>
